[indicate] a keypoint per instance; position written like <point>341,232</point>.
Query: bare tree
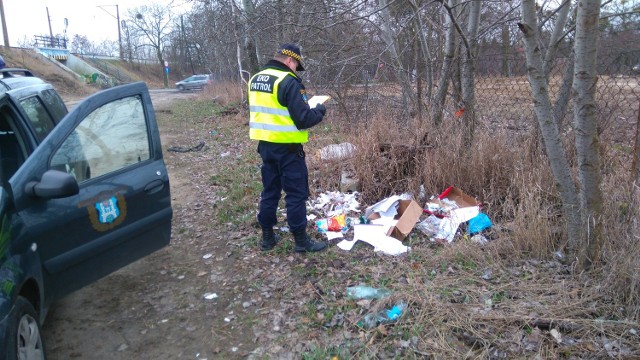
<point>549,128</point>
<point>582,202</point>
<point>153,23</point>
<point>586,125</point>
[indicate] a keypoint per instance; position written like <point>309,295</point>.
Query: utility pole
<point>119,33</point>
<point>4,25</point>
<point>50,31</point>
<point>117,17</point>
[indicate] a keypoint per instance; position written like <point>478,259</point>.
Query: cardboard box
<point>408,215</point>
<point>454,194</point>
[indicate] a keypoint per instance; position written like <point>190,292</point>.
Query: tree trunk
<point>250,45</point>
<point>469,70</point>
<point>445,72</point>
<point>586,124</point>
<point>390,40</point>
<point>564,94</point>
<point>556,37</point>
<point>506,50</point>
<point>548,127</point>
<point>424,48</point>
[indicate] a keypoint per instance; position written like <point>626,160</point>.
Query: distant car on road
<point>82,194</point>
<point>194,82</point>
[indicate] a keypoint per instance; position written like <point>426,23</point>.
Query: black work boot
<point>305,244</point>
<point>269,239</point>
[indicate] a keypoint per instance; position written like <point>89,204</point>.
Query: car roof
<point>13,78</point>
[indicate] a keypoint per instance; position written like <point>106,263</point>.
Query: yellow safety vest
<point>268,120</point>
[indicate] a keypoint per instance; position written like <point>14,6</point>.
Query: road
<point>159,97</point>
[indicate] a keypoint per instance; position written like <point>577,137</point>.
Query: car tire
<point>24,338</point>
<point>181,87</point>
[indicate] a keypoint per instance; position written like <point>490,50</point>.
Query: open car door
<point>120,210</point>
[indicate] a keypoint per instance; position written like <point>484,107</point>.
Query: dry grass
<point>224,93</point>
<point>64,82</point>
<point>511,298</point>
<point>514,184</point>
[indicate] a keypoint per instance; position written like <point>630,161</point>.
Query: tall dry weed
<point>515,188</point>
<point>621,250</point>
<point>224,93</point>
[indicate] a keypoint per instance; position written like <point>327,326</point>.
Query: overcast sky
<point>26,18</point>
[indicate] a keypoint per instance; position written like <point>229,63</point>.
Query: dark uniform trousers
<point>283,168</point>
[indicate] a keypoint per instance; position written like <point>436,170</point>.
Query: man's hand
<point>321,108</point>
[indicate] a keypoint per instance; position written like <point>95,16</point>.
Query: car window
<point>112,137</point>
<point>12,152</point>
<point>41,122</point>
<point>55,104</point>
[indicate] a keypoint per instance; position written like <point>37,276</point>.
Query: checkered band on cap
<point>292,54</point>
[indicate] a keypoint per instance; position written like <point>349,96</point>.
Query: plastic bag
<point>478,223</point>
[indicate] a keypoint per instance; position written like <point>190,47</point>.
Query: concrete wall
<point>80,67</point>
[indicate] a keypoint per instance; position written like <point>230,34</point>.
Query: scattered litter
<point>382,317</point>
<point>556,335</point>
<point>450,199</point>
<point>337,152</point>
<point>480,239</point>
<point>182,149</point>
<point>334,202</point>
<point>360,292</point>
<point>207,256</point>
<point>333,223</point>
<point>225,154</point>
<point>488,275</point>
<point>398,213</point>
<point>333,208</point>
<point>227,319</point>
<point>180,277</point>
<point>210,296</point>
<point>451,209</point>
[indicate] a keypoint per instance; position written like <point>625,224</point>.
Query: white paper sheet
<point>375,236</point>
<point>317,99</point>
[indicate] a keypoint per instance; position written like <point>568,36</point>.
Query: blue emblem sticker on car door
<point>108,213</point>
<point>108,210</point>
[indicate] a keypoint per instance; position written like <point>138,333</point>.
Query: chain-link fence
<point>503,93</point>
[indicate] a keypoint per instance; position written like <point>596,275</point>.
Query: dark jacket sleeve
<point>292,94</point>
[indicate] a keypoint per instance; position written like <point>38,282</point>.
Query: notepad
<point>318,99</point>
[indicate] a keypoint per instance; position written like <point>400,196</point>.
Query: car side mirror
<point>54,184</point>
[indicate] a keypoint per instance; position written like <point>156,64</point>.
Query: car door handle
<point>154,186</point>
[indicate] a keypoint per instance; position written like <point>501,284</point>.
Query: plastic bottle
<point>366,292</point>
<point>383,317</point>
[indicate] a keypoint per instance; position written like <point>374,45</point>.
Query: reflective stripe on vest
<point>268,120</point>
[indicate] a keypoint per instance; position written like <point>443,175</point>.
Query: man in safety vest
<point>279,119</point>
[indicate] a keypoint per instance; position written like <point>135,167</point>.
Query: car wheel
<point>181,87</point>
<point>25,336</point>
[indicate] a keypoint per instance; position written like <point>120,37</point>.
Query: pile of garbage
<point>385,224</point>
